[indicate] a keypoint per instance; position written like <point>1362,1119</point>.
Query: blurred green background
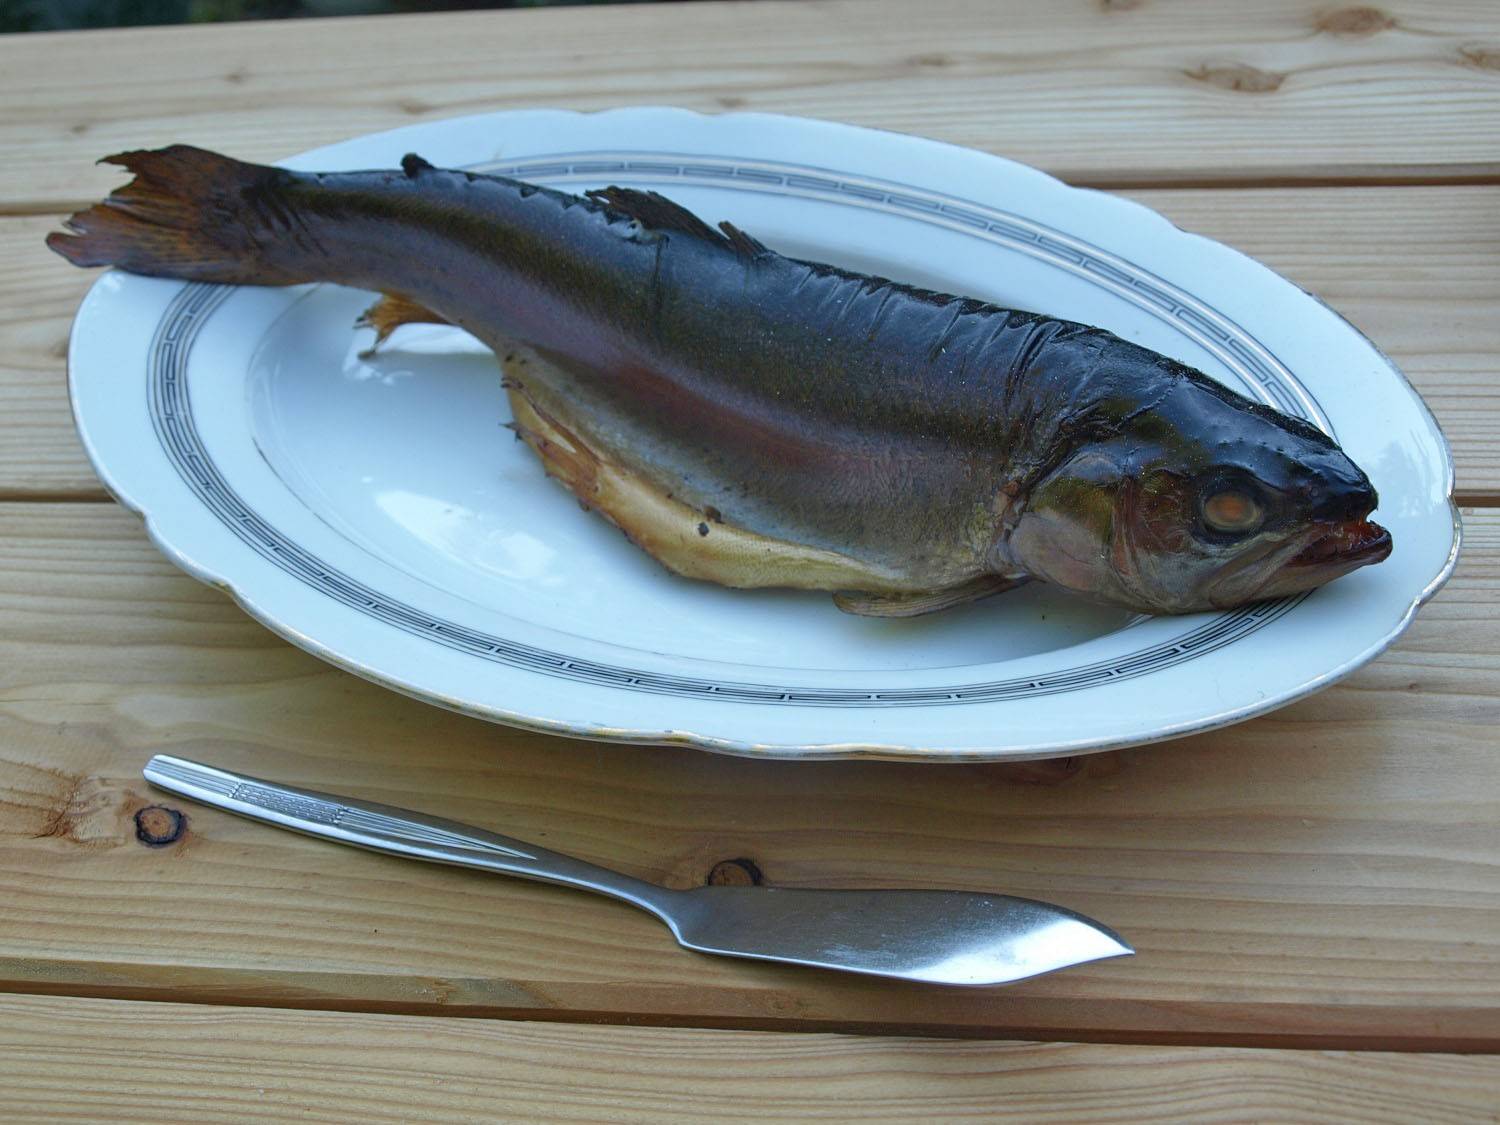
<point>61,15</point>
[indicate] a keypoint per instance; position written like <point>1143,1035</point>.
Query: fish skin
<point>912,431</point>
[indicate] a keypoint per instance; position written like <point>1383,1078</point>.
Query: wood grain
<point>1327,875</point>
<point>79,1059</point>
<point>40,455</point>
<point>1418,269</point>
<point>1101,93</point>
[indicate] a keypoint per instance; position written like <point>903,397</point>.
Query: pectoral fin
<point>390,313</point>
<point>931,601</point>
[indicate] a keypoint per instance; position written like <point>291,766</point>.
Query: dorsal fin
<point>413,165</point>
<point>656,212</point>
<point>744,243</point>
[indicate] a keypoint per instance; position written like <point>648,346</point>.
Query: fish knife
<point>942,937</point>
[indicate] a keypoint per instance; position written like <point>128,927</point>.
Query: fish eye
<point>1233,511</point>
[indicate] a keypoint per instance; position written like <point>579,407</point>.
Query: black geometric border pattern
<point>171,413</point>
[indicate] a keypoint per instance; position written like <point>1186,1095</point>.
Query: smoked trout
<point>755,420</point>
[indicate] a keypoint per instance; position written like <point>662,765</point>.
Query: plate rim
<point>797,750</point>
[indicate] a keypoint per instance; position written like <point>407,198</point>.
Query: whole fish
<point>755,420</point>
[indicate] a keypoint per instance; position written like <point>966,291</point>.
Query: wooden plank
<point>1418,269</point>
<point>82,1059</point>
<point>1327,875</point>
<point>40,455</point>
<point>1103,93</point>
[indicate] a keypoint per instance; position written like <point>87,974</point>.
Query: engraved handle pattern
<point>312,809</point>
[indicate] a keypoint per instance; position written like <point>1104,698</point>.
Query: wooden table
<point>1315,895</point>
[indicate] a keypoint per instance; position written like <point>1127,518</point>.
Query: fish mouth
<point>1344,544</point>
<point>1331,550</point>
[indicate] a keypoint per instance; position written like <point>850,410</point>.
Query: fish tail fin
<point>194,214</point>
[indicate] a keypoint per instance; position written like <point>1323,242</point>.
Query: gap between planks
<point>29,977</point>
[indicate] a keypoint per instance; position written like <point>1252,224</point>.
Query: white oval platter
<point>375,512</point>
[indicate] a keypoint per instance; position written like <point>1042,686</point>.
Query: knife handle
<point>393,831</point>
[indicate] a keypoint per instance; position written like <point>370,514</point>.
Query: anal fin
<point>390,313</point>
<point>928,601</point>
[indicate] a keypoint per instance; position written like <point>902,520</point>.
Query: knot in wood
<point>1239,76</point>
<point>1356,22</point>
<point>735,873</point>
<point>156,826</point>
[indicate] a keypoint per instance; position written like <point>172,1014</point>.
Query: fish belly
<point>692,540</point>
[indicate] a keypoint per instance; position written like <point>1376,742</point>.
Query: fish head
<point>1202,501</point>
